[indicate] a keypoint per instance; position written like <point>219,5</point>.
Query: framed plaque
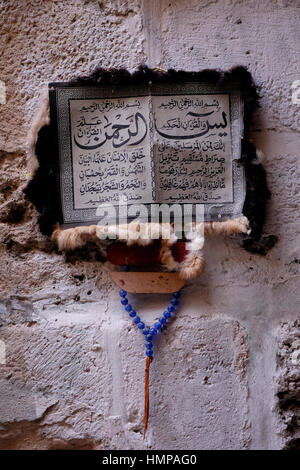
<point>149,138</point>
<point>161,143</point>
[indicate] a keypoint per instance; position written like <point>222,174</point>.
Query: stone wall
<point>71,365</point>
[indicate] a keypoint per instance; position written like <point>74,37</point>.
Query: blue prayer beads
<point>160,324</point>
<point>132,313</point>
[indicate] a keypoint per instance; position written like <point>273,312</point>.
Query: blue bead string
<point>161,324</point>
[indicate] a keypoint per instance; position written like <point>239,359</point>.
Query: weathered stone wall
<point>71,366</point>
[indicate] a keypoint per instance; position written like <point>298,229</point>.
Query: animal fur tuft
<point>192,266</point>
<point>44,192</point>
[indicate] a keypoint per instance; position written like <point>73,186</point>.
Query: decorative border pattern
<point>43,190</point>
<point>63,95</point>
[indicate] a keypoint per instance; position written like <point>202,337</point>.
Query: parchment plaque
<point>162,143</point>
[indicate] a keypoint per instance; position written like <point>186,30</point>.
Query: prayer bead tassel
<point>146,401</point>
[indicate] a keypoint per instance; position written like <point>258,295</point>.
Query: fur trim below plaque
<point>115,140</point>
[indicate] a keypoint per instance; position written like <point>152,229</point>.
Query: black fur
<point>43,189</point>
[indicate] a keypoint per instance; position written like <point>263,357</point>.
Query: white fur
<point>41,119</point>
<point>142,234</point>
<point>260,156</point>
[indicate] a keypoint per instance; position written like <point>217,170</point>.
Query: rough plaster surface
<point>79,381</point>
<point>71,365</point>
<point>288,384</point>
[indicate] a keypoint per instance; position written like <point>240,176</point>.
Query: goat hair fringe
<point>42,189</point>
<point>143,234</point>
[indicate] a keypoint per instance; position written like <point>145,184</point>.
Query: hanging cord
<point>146,403</point>
<point>149,333</point>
